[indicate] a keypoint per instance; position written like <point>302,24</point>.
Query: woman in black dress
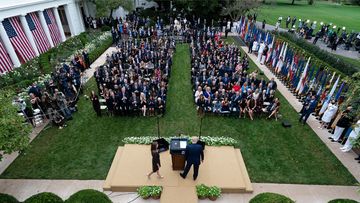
<point>155,160</point>
<point>95,102</point>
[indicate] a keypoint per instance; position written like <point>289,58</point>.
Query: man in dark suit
<point>194,153</point>
<point>308,110</point>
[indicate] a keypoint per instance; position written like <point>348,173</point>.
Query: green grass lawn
<point>85,149</point>
<point>321,11</point>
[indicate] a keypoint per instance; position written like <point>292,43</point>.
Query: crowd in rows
<point>134,78</point>
<point>223,84</point>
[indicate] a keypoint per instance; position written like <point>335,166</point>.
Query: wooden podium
<point>178,162</point>
<point>177,152</point>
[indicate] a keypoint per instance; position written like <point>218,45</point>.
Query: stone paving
<point>321,44</point>
<point>24,188</point>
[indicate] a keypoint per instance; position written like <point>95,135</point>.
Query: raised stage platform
<point>223,167</point>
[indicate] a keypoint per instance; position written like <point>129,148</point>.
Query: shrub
<point>270,198</point>
<point>342,201</point>
<point>5,198</point>
<point>45,197</point>
<point>202,191</point>
<point>214,192</point>
<point>105,28</point>
<point>88,196</point>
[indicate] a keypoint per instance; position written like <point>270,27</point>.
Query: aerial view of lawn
<point>272,153</point>
<point>320,11</point>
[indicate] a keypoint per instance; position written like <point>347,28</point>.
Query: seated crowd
<point>223,85</point>
<point>135,77</point>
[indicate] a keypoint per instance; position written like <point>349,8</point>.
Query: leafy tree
<point>106,7</point>
<point>203,9</point>
<point>13,133</point>
<point>237,8</point>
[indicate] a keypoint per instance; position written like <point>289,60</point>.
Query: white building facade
<point>67,15</point>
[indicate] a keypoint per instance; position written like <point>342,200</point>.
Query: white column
<point>81,19</point>
<point>28,33</point>
<point>7,44</point>
<point>59,24</point>
<point>45,27</point>
<point>70,11</point>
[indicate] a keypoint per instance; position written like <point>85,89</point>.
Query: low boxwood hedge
<point>45,197</point>
<point>268,197</point>
<point>88,196</point>
<point>5,198</point>
<point>343,201</point>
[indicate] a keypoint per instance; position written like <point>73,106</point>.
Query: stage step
<point>245,174</point>
<point>179,195</point>
<point>109,177</point>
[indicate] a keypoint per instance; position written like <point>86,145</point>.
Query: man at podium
<point>193,154</point>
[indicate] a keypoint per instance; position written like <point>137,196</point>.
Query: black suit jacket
<point>194,153</point>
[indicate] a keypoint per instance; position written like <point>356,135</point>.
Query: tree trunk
<point>111,12</point>
<point>293,1</point>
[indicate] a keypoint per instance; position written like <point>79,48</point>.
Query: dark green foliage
<point>270,198</point>
<point>100,49</point>
<point>105,28</point>
<point>336,62</point>
<point>45,197</point>
<point>88,196</point>
<point>5,198</point>
<point>343,201</point>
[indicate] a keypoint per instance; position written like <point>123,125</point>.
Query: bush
<point>270,198</point>
<point>88,196</point>
<point>45,197</point>
<point>202,191</point>
<point>105,28</point>
<point>5,198</point>
<point>342,201</point>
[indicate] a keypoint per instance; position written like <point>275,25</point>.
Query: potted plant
<point>144,192</point>
<point>202,191</point>
<point>214,193</point>
<point>156,192</point>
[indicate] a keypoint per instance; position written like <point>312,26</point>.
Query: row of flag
<point>298,71</point>
<point>21,43</point>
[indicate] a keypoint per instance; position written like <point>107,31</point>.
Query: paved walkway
<point>22,189</point>
<point>347,159</point>
<point>339,51</point>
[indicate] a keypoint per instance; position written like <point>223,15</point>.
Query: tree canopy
<point>13,132</point>
<point>106,7</point>
<point>236,8</point>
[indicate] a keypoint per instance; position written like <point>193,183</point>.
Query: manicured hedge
<point>45,197</point>
<point>335,62</point>
<point>271,198</point>
<point>88,196</point>
<point>5,198</point>
<point>343,201</point>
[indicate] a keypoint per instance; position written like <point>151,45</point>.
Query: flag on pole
<point>37,31</point>
<point>5,62</point>
<point>339,91</point>
<point>53,28</point>
<point>302,81</point>
<point>18,39</point>
<point>328,98</point>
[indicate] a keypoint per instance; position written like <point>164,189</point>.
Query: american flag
<point>54,30</point>
<point>18,39</point>
<point>5,62</point>
<point>37,31</point>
